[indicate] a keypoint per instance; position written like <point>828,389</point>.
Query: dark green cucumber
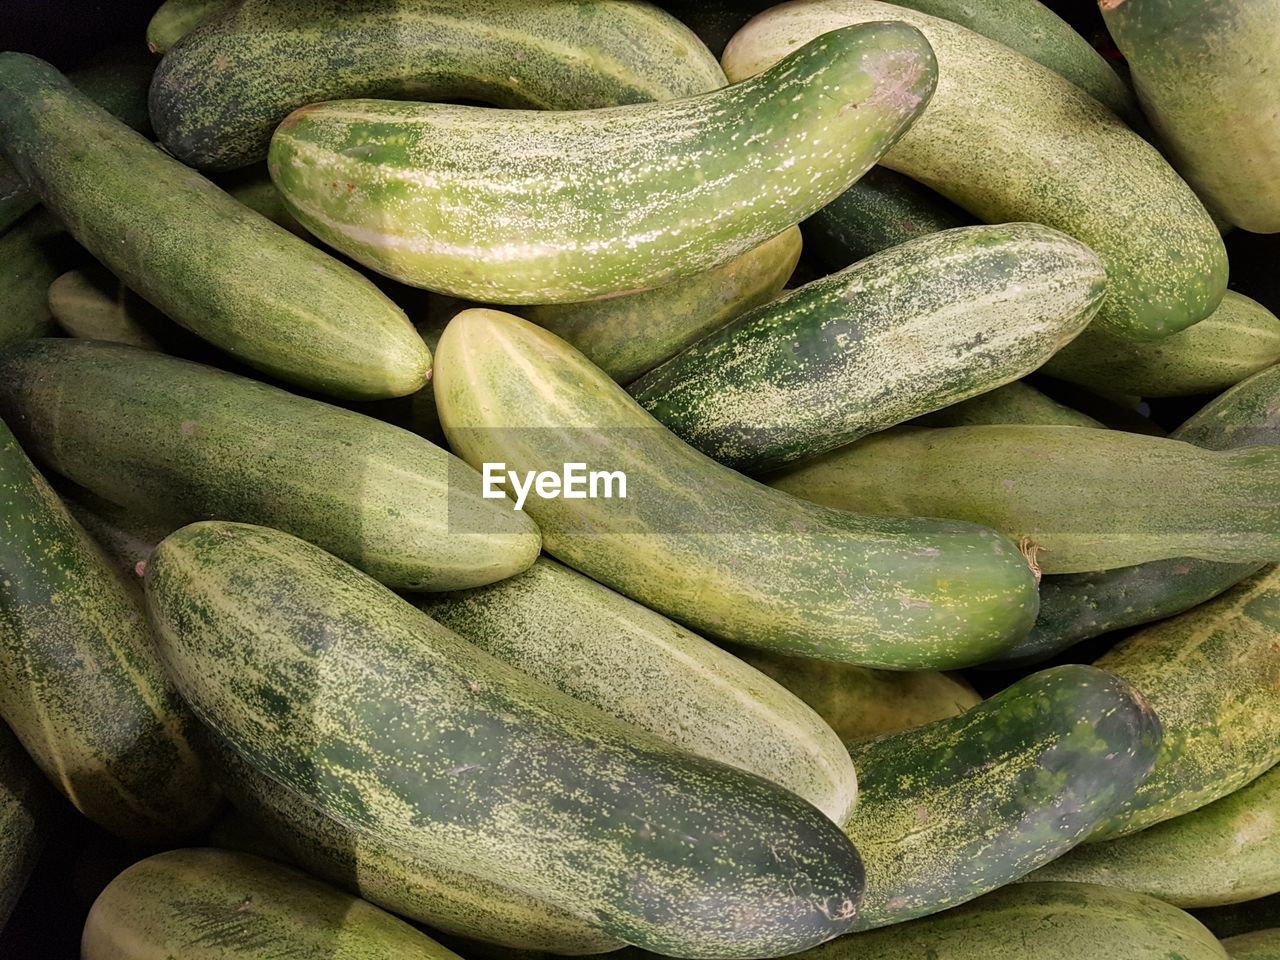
<point>174,19</point>
<point>1259,945</point>
<point>206,261</point>
<point>22,820</point>
<point>705,545</point>
<point>207,904</point>
<point>325,681</point>
<point>904,332</point>
<point>1213,676</point>
<point>33,253</point>
<point>80,684</point>
<point>1013,403</point>
<point>216,98</point>
<point>187,441</point>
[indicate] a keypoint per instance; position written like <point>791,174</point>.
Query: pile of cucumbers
<point>906,615</point>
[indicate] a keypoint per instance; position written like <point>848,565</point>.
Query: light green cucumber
<point>1082,499</point>
<point>325,681</point>
<point>904,332</point>
<point>596,645</point>
<point>706,546</point>
<point>206,261</point>
<point>615,200</point>
<point>174,19</point>
<point>1013,403</point>
<point>1213,676</point>
<point>1010,140</point>
<point>92,304</point>
<point>1259,945</point>
<point>207,904</point>
<point>23,822</point>
<point>1226,852</point>
<point>33,253</point>
<point>628,336</point>
<point>187,441</point>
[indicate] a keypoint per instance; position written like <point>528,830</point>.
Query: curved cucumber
<point>80,684</point>
<point>206,904</point>
<point>708,547</point>
<point>164,435</point>
<point>628,336</point>
<point>1083,499</point>
<point>1259,945</point>
<point>33,252</point>
<point>1213,676</point>
<point>22,801</point>
<point>1226,852</point>
<point>216,99</point>
<point>617,200</point>
<point>1013,403</point>
<point>573,634</point>
<point>1010,140</point>
<point>174,19</point>
<point>203,259</point>
<point>391,723</point>
<point>902,333</point>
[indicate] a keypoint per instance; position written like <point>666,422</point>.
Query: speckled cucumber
<point>708,547</point>
<point>1015,402</point>
<point>393,724</point>
<point>207,904</point>
<point>216,99</point>
<point>23,821</point>
<point>596,645</point>
<point>1010,140</point>
<point>1259,945</point>
<point>204,260</point>
<point>80,684</point>
<point>174,19</point>
<point>904,332</point>
<point>616,200</point>
<point>628,336</point>
<point>33,252</point>
<point>1117,508</point>
<point>187,441</point>
<point>1213,676</point>
<point>1226,852</point>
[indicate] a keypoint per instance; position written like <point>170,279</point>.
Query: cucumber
<point>206,904</point>
<point>708,547</point>
<point>1116,508</point>
<point>628,336</point>
<point>92,304</point>
<point>882,210</point>
<point>187,441</point>
<point>861,704</point>
<point>33,252</point>
<point>204,260</point>
<point>1240,338</point>
<point>1259,945</point>
<point>597,646</point>
<point>626,198</point>
<point>80,684</point>
<point>1213,676</point>
<point>252,186</point>
<point>1010,140</point>
<point>1205,74</point>
<point>174,19</point>
<point>22,820</point>
<point>1015,402</point>
<point>1226,852</point>
<point>391,723</point>
<point>902,333</point>
<point>216,99</point>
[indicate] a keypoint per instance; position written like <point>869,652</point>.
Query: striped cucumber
<point>628,336</point>
<point>616,200</point>
<point>204,260</point>
<point>22,820</point>
<point>904,332</point>
<point>216,99</point>
<point>1226,852</point>
<point>1013,403</point>
<point>187,441</point>
<point>1259,945</point>
<point>174,19</point>
<point>1010,140</point>
<point>1213,676</point>
<point>708,547</point>
<point>207,904</point>
<point>1083,499</point>
<point>33,252</point>
<point>393,724</point>
<point>80,684</point>
<point>573,634</point>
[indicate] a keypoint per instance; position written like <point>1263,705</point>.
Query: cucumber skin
<point>174,19</point>
<point>80,683</point>
<point>792,577</point>
<point>203,259</point>
<point>1213,675</point>
<point>629,336</point>
<point>142,430</point>
<point>207,904</point>
<point>1009,140</point>
<point>216,99</point>
<point>545,775</point>
<point>616,200</point>
<point>1013,403</point>
<point>900,334</point>
<point>1259,945</point>
<point>22,820</point>
<point>33,253</point>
